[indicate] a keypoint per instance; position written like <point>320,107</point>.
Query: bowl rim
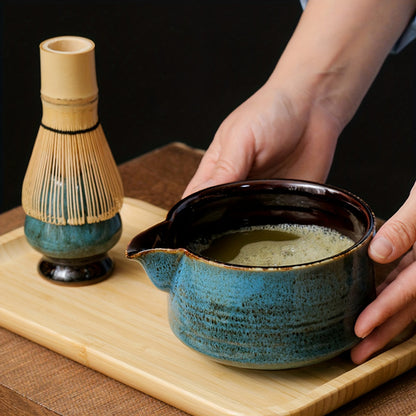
<point>270,184</point>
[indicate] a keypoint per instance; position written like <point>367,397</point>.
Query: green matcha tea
<point>274,245</point>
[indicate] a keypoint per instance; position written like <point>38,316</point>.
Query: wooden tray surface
<point>120,327</point>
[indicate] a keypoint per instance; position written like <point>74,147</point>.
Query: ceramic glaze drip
<point>73,241</point>
<point>239,322</point>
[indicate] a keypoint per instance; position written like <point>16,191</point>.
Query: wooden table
<point>36,381</point>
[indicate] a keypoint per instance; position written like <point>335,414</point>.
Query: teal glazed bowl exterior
<point>261,317</point>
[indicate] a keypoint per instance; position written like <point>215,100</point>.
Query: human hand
<point>272,134</point>
<point>289,127</point>
<point>395,306</point>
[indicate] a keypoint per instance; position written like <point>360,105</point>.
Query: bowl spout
<point>152,249</point>
<point>152,238</point>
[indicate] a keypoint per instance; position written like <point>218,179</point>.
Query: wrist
<point>337,51</point>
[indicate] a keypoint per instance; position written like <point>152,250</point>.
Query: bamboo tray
<point>119,327</point>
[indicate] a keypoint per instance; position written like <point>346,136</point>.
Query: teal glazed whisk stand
<point>72,192</point>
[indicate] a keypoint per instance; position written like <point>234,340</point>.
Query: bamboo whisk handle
<point>68,69</point>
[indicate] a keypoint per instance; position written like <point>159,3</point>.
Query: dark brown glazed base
<point>76,272</point>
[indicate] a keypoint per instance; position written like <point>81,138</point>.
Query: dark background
<point>173,70</point>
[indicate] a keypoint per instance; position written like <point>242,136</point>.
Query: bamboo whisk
<point>72,178</point>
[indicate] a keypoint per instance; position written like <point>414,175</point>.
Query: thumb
<point>397,235</point>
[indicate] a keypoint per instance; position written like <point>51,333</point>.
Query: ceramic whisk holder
<point>74,254</point>
<point>72,191</point>
<point>261,317</point>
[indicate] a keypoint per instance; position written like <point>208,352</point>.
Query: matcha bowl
<point>256,316</point>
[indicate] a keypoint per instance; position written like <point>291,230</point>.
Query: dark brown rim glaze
<point>251,201</point>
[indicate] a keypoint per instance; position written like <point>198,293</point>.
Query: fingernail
<point>381,248</point>
<point>364,334</point>
<point>361,332</point>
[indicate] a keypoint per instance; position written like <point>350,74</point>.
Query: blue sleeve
<point>407,36</point>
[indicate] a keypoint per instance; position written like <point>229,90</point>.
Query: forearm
<point>337,50</point>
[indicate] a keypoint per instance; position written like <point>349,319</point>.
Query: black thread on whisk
<point>72,132</point>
